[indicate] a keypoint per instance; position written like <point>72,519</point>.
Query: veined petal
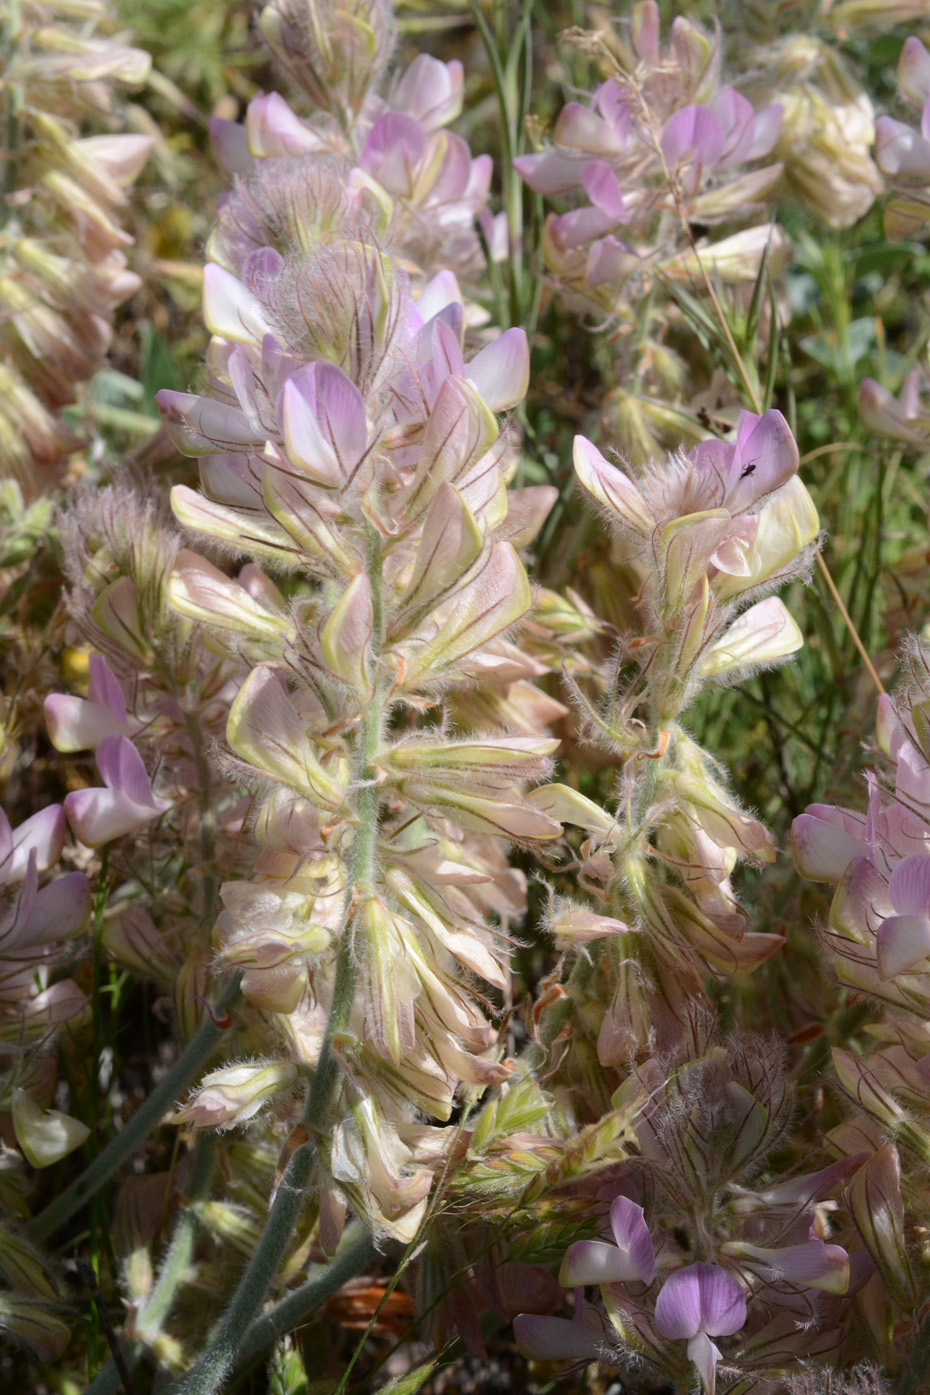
<point>909,885</point>
<point>265,730</point>
<point>812,1263</point>
<point>700,1298</point>
<point>124,772</point>
<point>496,598</point>
<point>596,1262</point>
<point>901,153</point>
<point>43,834</point>
<point>97,816</point>
<point>902,941</point>
<point>76,724</point>
<point>610,486</point>
<point>761,635</point>
<point>693,134</point>
<point>59,912</point>
<point>501,372</point>
<point>307,447</point>
<point>274,130</point>
<point>914,72</point>
<point>230,309</point>
<point>450,541</point>
<point>825,840</point>
<point>785,526</point>
<point>201,591</point>
<point>345,639</point>
<point>765,458</point>
<point>628,1223</point>
<point>202,426</point>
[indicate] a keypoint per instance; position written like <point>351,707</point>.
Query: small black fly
<point>748,470</point>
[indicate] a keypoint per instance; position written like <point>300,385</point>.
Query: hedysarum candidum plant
<point>349,447</point>
<point>375,483</point>
<point>403,984</point>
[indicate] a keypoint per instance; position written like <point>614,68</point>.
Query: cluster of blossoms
<point>673,176</point>
<point>38,919</point>
<point>878,925</point>
<point>316,715</point>
<point>827,131</point>
<point>878,939</point>
<point>659,146</point>
<point>689,1251</point>
<point>385,162</point>
<point>350,447</point>
<point>64,252</point>
<point>700,538</point>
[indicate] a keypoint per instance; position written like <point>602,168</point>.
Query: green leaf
<point>157,370</point>
<point>413,1381</point>
<point>287,1374</point>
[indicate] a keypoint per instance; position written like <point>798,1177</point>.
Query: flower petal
<point>628,1223</point>
<point>902,942</point>
<point>705,1356</point>
<point>553,1338</point>
<point>700,1298</point>
<point>909,885</point>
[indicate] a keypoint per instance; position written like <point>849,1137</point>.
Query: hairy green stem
<point>179,1078</point>
<point>153,1312</point>
<point>222,1350</point>
<point>354,1256</point>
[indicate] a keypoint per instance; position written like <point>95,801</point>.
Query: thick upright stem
<point>355,1254</point>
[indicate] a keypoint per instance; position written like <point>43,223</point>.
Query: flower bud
<point>450,541</point>
<point>235,1093</point>
<point>202,592</point>
<point>116,611</point>
<point>345,639</point>
<point>496,597</point>
<point>264,729</point>
<point>878,1210</point>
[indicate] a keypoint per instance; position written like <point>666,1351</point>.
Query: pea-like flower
<point>630,1259</point>
<point>695,1304</point>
